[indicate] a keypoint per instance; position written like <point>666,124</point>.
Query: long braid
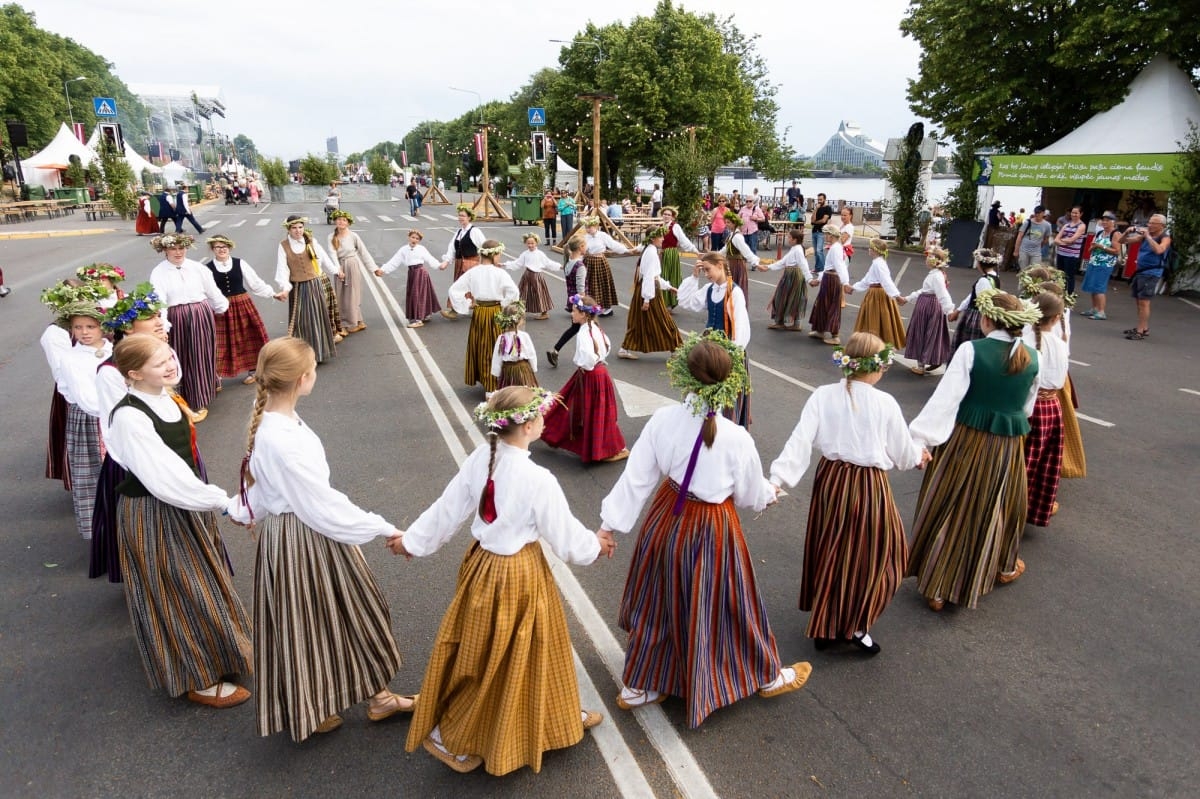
<point>260,402</point>
<point>493,437</point>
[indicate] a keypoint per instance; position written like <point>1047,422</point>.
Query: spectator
<point>1029,240</point>
<point>550,217</point>
<point>821,217</point>
<point>656,200</point>
<point>1020,217</point>
<point>996,218</point>
<point>1106,248</point>
<point>795,198</point>
<point>616,213</point>
<point>716,232</point>
<point>1069,242</point>
<point>1151,267</point>
<point>414,199</point>
<point>751,215</point>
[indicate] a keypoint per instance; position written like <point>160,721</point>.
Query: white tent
<point>135,161</point>
<point>567,176</point>
<point>173,173</point>
<point>41,168</point>
<point>396,168</point>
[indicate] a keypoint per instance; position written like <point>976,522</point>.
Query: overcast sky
<point>293,73</point>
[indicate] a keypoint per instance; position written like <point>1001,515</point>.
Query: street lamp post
<point>67,92</point>
<point>593,42</point>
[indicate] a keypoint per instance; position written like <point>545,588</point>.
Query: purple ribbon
<point>691,468</point>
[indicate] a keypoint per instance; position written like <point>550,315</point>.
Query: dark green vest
<point>995,402</point>
<point>176,435</point>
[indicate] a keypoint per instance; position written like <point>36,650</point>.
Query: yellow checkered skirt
<point>501,680</point>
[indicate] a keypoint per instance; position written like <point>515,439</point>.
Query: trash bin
<point>68,193</point>
<point>195,192</point>
<point>33,191</point>
<point>527,208</point>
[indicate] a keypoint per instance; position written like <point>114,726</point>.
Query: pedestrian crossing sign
<point>537,117</point>
<point>104,106</point>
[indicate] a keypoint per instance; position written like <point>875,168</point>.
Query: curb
<point>50,234</point>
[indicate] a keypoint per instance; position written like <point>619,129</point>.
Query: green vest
<point>995,402</point>
<point>176,435</point>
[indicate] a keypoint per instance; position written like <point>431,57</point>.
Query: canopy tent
<point>43,168</point>
<point>135,161</point>
<point>396,168</point>
<point>567,176</point>
<point>173,173</point>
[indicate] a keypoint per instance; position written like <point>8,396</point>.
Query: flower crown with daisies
<point>864,365</point>
<point>141,303</point>
<point>171,240</point>
<point>986,256</point>
<point>504,320</point>
<point>100,270</point>
<point>62,294</point>
<point>1027,314</point>
<point>488,252</point>
<point>576,302</point>
<point>496,419</point>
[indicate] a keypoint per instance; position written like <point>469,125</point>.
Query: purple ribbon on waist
<point>691,468</point>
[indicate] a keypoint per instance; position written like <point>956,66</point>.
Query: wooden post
<point>605,223</point>
<point>487,208</point>
<point>433,195</point>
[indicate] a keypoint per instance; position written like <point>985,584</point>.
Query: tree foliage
<point>689,167</point>
<point>1020,75</point>
<point>904,176</point>
<point>316,170</point>
<point>274,172</point>
<point>963,200</point>
<point>380,169</point>
<point>1185,208</point>
<point>118,181</point>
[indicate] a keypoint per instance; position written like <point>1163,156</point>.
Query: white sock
<point>865,638</point>
<point>224,688</point>
<point>436,737</point>
<point>786,675</point>
<point>635,697</point>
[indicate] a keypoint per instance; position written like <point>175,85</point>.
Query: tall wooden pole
<point>483,129</point>
<point>596,98</point>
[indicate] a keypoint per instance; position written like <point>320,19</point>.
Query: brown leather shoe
<point>223,698</point>
<point>1004,578</point>
<point>936,605</point>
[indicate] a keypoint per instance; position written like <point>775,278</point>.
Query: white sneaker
<point>624,353</point>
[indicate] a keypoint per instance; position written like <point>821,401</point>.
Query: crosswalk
<point>365,219</point>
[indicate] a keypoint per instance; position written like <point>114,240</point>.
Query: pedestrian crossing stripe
<point>238,223</point>
<point>451,216</point>
<point>262,222</point>
<point>212,224</point>
<point>383,218</point>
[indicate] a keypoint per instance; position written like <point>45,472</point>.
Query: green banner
<point>1118,172</point>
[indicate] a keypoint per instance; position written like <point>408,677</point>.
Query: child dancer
<point>739,254</point>
<point>480,291</point>
<point>967,314</point>
<point>322,631</point>
<point>928,339</point>
<point>514,358</point>
<point>576,271</point>
<point>352,256</point>
<point>649,326</point>
<point>1074,463</point>
<point>790,299</point>
<point>240,330</point>
<point>585,421</point>
<point>299,263</point>
<point>855,551</point>
<point>463,250</point>
<point>500,686</point>
<point>1045,443</point>
<point>599,273</point>
<point>696,621</point>
<point>674,242</point>
<point>190,625</point>
<point>826,316</point>
<point>878,313</point>
<point>534,292</point>
<point>420,300</point>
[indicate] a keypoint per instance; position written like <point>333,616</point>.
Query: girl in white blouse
<point>928,336</point>
<point>420,300</point>
<point>649,326</point>
<point>534,291</point>
<point>878,313</point>
<point>790,300</point>
<point>826,316</point>
<point>514,358</point>
<point>1045,443</point>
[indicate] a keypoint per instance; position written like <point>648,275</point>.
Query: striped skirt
<point>534,293</point>
<point>928,340</point>
<point>308,318</point>
<point>854,551</point>
<point>880,315</point>
<point>970,516</point>
<point>463,264</point>
<point>1074,459</point>
<point>600,286</point>
<point>56,441</point>
<point>481,340</point>
<point>697,625</point>
<point>190,626</point>
<point>322,631</point>
<point>790,300</point>
<point>652,330</point>
<point>194,339</point>
<point>584,421</point>
<point>826,316</point>
<point>501,678</point>
<point>968,328</point>
<point>83,458</point>
<point>737,271</point>
<point>349,290</point>
<point>516,373</point>
<point>1044,457</point>
<point>672,271</point>
<point>105,554</point>
<point>240,335</point>
<point>331,303</point>
<point>420,300</point>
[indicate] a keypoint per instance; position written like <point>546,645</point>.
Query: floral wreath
<point>504,320</point>
<point>1030,285</point>
<point>62,294</point>
<point>160,243</point>
<point>100,270</point>
<point>590,221</point>
<point>576,302</point>
<point>1027,314</point>
<point>655,233</point>
<point>339,214</point>
<point>732,218</point>
<point>213,241</point>
<point>141,303</point>
<point>296,220</point>
<point>709,397</point>
<point>864,365</point>
<point>543,400</point>
<point>986,256</point>
<point>937,258</point>
<point>86,308</point>
<point>526,237</point>
<point>488,252</point>
<point>879,247</point>
<point>463,208</point>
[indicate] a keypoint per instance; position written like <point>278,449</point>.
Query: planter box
<point>351,193</point>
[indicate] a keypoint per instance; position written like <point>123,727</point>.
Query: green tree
<point>941,165</point>
<point>689,167</point>
<point>246,151</point>
<point>1019,76</point>
<point>274,172</point>
<point>76,175</point>
<point>963,200</point>
<point>118,180</point>
<point>904,176</point>
<point>1185,209</point>
<point>317,170</point>
<point>380,169</point>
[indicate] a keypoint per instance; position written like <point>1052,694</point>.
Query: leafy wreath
<point>714,397</point>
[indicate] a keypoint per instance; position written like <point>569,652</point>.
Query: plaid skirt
<point>1074,458</point>
<point>516,373</point>
<point>651,330</point>
<point>584,421</point>
<point>308,318</point>
<point>420,300</point>
<point>928,340</point>
<point>880,315</point>
<point>194,339</point>
<point>501,678</point>
<point>83,459</point>
<point>968,328</point>
<point>970,516</point>
<point>481,340</point>
<point>463,264</point>
<point>737,271</point>
<point>534,293</point>
<point>697,624</point>
<point>790,300</point>
<point>826,316</point>
<point>672,271</point>
<point>190,626</point>
<point>241,334</point>
<point>331,302</point>
<point>56,441</point>
<point>600,286</point>
<point>1044,457</point>
<point>322,630</point>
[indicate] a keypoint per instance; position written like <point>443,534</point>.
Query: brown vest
<point>300,266</point>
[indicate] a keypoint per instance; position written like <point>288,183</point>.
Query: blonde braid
<point>493,437</point>
<point>260,402</point>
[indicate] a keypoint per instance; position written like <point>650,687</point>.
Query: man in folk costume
<point>298,267</point>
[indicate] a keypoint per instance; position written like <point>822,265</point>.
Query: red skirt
<point>463,264</point>
<point>146,224</point>
<point>1044,457</point>
<point>240,335</point>
<point>56,443</point>
<point>585,422</point>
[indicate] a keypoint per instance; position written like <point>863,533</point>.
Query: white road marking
<point>409,218</point>
<point>640,401</point>
<point>1094,420</point>
<point>1189,302</point>
<point>383,218</point>
<point>1190,391</point>
<point>262,222</point>
<point>263,209</point>
<point>903,269</point>
<point>1078,363</point>
<point>212,223</point>
<point>238,223</point>
<point>451,216</point>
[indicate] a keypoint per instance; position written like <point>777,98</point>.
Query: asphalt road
<point>1075,681</point>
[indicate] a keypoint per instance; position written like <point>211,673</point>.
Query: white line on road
<point>409,218</point>
<point>263,209</point>
<point>262,222</point>
<point>212,223</point>
<point>1078,363</point>
<point>1094,420</point>
<point>1190,391</point>
<point>903,269</point>
<point>238,223</point>
<point>451,216</point>
<point>1189,302</point>
<point>383,218</point>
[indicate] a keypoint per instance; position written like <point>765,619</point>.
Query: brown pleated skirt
<point>481,340</point>
<point>826,316</point>
<point>652,330</point>
<point>879,315</point>
<point>534,293</point>
<point>516,373</point>
<point>600,286</point>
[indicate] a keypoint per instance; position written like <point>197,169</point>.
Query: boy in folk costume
<point>481,291</point>
<point>878,313</point>
<point>649,326</point>
<point>240,331</point>
<point>463,250</point>
<point>534,291</point>
<point>299,264</point>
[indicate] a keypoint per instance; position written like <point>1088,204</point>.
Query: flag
<point>404,158</point>
<point>78,131</point>
<point>478,147</point>
<point>429,151</point>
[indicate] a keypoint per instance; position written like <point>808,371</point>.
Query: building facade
<point>850,146</point>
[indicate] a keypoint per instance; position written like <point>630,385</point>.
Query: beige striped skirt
<point>1074,460</point>
<point>481,341</point>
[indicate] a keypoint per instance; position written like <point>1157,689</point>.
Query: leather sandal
<point>329,725</point>
<point>591,718</point>
<point>639,699</point>
<point>803,669</point>
<point>936,604</point>
<point>1004,578</point>
<point>220,700</point>
<point>378,711</point>
<point>469,763</point>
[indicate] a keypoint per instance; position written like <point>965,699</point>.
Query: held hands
<point>645,305</point>
<point>952,316</point>
<point>814,282</point>
<point>378,273</point>
<point>608,544</point>
<point>926,457</point>
<point>442,265</point>
<point>902,300</point>
<point>848,289</point>
<point>395,543</point>
<point>280,296</point>
<point>762,267</point>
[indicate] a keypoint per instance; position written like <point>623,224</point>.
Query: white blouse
<point>739,243</point>
<point>879,273</point>
<point>591,346</point>
<point>530,505</point>
<point>291,475</point>
<point>408,255</point>
<point>77,373</point>
<point>1053,357</point>
<point>935,284</point>
<point>795,258</point>
<point>693,297</point>
<point>484,282</point>
<point>650,268</point>
<point>835,259</point>
<point>684,243</point>
<point>55,341</point>
<point>476,235</point>
<point>512,346</point>
<point>731,467</point>
<point>863,426</point>
<point>254,284</point>
<point>534,261</point>
<point>980,285</point>
<point>111,388</point>
<point>935,422</point>
<point>352,244</point>
<point>283,274</point>
<point>160,470</point>
<point>600,242</point>
<point>187,283</point>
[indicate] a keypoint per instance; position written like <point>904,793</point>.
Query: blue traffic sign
<point>104,106</point>
<point>537,117</point>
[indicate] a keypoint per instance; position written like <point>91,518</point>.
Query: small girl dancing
<point>928,340</point>
<point>480,291</point>
<point>500,686</point>
<point>879,314</point>
<point>790,299</point>
<point>826,316</point>
<point>585,422</point>
<point>420,300</point>
<point>514,358</point>
<point>534,292</point>
<point>577,272</point>
<point>1045,443</point>
<point>967,314</point>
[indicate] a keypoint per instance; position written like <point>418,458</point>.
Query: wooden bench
<point>97,210</point>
